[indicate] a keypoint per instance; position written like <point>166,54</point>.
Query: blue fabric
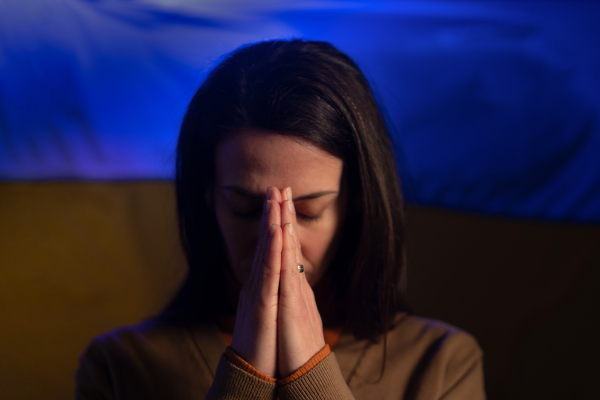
<point>494,105</point>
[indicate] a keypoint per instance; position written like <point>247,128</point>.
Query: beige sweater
<point>426,359</point>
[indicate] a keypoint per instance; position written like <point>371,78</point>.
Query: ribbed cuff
<point>242,364</point>
<point>324,381</point>
<point>233,383</point>
<point>310,364</point>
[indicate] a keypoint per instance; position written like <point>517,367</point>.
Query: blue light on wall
<point>494,104</point>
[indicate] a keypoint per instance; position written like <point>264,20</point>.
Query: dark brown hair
<point>310,90</point>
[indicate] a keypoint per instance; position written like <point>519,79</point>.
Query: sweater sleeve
<point>469,385</point>
<point>93,380</point>
<point>464,373</point>
<point>319,378</point>
<point>239,362</point>
<point>323,381</point>
<point>456,372</point>
<point>233,383</point>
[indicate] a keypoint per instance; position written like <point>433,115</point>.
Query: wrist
<point>236,359</point>
<point>310,364</point>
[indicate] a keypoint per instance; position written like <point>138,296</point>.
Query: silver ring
<point>300,268</point>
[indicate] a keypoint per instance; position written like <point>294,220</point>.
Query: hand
<point>300,329</point>
<point>255,331</point>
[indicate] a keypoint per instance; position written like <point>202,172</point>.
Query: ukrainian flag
<point>495,110</point>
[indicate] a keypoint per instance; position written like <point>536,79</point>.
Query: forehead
<point>256,159</point>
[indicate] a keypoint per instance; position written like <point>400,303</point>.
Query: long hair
<point>312,91</point>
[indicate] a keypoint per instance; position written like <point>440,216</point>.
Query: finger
<point>269,217</point>
<point>273,222</point>
<point>275,194</point>
<point>299,258</point>
<point>289,285</point>
<point>288,212</point>
<point>261,244</point>
<point>274,217</point>
<point>269,289</point>
<point>291,219</point>
<point>272,260</point>
<point>288,216</point>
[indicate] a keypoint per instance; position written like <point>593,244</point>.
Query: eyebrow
<point>247,193</point>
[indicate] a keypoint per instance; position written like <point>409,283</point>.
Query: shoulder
<point>106,358</point>
<point>124,346</point>
<point>146,333</point>
<point>423,358</point>
<point>434,336</point>
<point>152,355</point>
<point>127,341</point>
<point>443,360</point>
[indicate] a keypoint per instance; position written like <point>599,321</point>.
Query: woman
<point>291,220</point>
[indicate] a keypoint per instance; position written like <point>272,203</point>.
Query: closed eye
<point>256,214</point>
<point>309,218</point>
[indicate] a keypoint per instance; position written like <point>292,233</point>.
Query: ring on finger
<point>300,268</point>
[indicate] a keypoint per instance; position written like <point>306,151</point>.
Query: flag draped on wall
<point>493,108</point>
<point>494,105</point>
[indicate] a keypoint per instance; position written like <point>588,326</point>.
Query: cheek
<point>319,244</point>
<point>315,244</point>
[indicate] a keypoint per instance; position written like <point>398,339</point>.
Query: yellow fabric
<point>80,258</point>
<point>77,259</point>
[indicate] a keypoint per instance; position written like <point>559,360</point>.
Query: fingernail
<point>271,230</point>
<point>289,193</point>
<point>291,228</point>
<point>269,192</point>
<point>290,206</point>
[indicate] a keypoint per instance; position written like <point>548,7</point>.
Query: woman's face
<point>250,161</point>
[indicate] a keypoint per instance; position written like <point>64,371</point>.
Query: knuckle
<point>267,301</point>
<point>270,273</point>
<point>290,275</point>
<point>289,244</point>
<point>291,307</point>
